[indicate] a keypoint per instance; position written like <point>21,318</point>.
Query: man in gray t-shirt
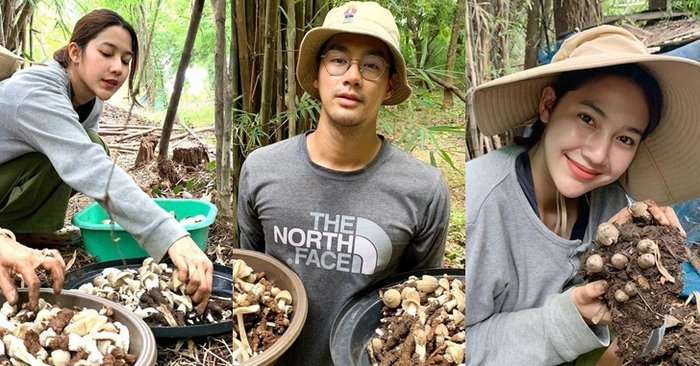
<point>340,205</point>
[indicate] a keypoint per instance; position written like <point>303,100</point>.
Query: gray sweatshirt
<point>37,116</point>
<point>340,231</point>
<point>517,270</point>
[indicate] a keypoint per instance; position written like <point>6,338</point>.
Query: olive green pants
<point>33,198</point>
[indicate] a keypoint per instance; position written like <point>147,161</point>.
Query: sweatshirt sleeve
<point>427,248</point>
<point>548,335</point>
<point>47,122</point>
<point>251,231</point>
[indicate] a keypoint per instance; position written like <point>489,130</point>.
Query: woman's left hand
<point>663,214</point>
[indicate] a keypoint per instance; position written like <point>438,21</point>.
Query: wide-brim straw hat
<point>9,62</point>
<point>367,18</point>
<point>666,167</point>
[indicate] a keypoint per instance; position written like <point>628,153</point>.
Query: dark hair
<point>92,24</point>
<point>572,80</point>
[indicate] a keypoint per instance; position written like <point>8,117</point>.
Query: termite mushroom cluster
<point>154,292</point>
<point>423,323</point>
<point>57,336</point>
<point>261,310</point>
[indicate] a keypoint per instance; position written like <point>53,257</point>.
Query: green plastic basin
<point>99,241</point>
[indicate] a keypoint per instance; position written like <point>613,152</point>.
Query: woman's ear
<point>74,52</point>
<point>546,103</point>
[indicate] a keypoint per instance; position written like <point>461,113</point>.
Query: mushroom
<point>607,233</point>
<point>646,246</point>
<point>283,298</point>
<point>420,339</point>
<point>238,313</point>
<point>621,296</point>
<point>639,210</point>
<point>594,263</point>
<point>60,357</point>
<point>411,303</point>
<point>427,284</point>
<point>85,324</point>
<point>619,260</point>
<point>630,288</point>
<point>391,298</point>
<point>646,260</point>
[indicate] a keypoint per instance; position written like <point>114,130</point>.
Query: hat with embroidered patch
<point>666,167</point>
<point>355,17</point>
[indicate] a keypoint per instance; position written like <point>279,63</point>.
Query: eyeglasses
<point>337,63</point>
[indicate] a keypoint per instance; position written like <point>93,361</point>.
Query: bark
<point>190,154</point>
<point>147,150</point>
<point>455,36</point>
<point>291,94</point>
<point>268,68</point>
<point>222,129</point>
<point>13,36</point>
<point>473,144</point>
<point>145,60</point>
<point>243,53</point>
<point>230,115</point>
<point>572,14</point>
<point>180,79</point>
<point>532,35</point>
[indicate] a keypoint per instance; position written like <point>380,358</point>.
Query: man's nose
<point>353,75</point>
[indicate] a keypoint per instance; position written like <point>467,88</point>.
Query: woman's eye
<point>626,140</point>
<point>585,118</point>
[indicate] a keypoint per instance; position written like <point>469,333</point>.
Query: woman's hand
<point>663,214</point>
<point>589,304</point>
<point>194,268</point>
<point>17,258</point>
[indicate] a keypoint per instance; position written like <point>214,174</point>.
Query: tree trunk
<point>244,54</point>
<point>291,94</point>
<point>190,154</point>
<point>532,34</point>
<point>222,128</point>
<point>145,61</point>
<point>575,14</point>
<point>147,150</point>
<point>230,115</point>
<point>268,68</point>
<point>473,78</point>
<point>455,36</point>
<point>180,79</point>
<point>657,5</point>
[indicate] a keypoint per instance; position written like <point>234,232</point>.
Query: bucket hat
<point>367,18</point>
<point>666,167</point>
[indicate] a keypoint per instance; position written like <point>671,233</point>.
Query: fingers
<point>181,265</point>
<point>665,215</point>
<point>593,291</point>
<point>623,216</point>
<point>8,286</point>
<point>203,292</point>
<point>32,281</point>
<point>56,267</point>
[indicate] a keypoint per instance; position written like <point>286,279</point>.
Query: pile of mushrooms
<point>262,312</point>
<point>152,292</point>
<point>422,324</point>
<point>57,336</point>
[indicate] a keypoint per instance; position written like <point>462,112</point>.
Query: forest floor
<point>408,128</point>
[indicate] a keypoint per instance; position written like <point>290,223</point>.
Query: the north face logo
<point>342,243</point>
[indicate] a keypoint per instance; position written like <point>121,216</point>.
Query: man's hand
<point>194,268</point>
<point>17,258</point>
<point>663,214</point>
<point>588,303</point>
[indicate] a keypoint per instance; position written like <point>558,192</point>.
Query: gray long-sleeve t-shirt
<point>518,312</point>
<point>38,116</point>
<point>340,231</point>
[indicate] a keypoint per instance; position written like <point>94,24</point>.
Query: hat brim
<point>666,166</point>
<point>307,64</point>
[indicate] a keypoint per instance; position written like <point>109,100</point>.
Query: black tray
<point>222,285</point>
<point>355,323</point>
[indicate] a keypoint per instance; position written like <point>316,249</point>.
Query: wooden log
<point>147,150</point>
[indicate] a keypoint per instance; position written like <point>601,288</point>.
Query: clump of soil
<point>644,278</point>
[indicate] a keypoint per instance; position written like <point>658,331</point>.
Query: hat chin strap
<point>561,225</point>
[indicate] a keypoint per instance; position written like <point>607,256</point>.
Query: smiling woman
<point>605,111</point>
<point>49,147</point>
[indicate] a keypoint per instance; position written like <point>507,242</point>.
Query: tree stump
<point>190,154</point>
<point>147,150</point>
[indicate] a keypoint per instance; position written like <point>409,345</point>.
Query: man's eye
<point>371,66</point>
<point>339,60</point>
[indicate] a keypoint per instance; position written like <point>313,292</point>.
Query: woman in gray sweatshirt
<point>607,112</point>
<point>49,147</point>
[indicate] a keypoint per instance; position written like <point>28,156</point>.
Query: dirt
<point>214,313</point>
<point>635,318</point>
